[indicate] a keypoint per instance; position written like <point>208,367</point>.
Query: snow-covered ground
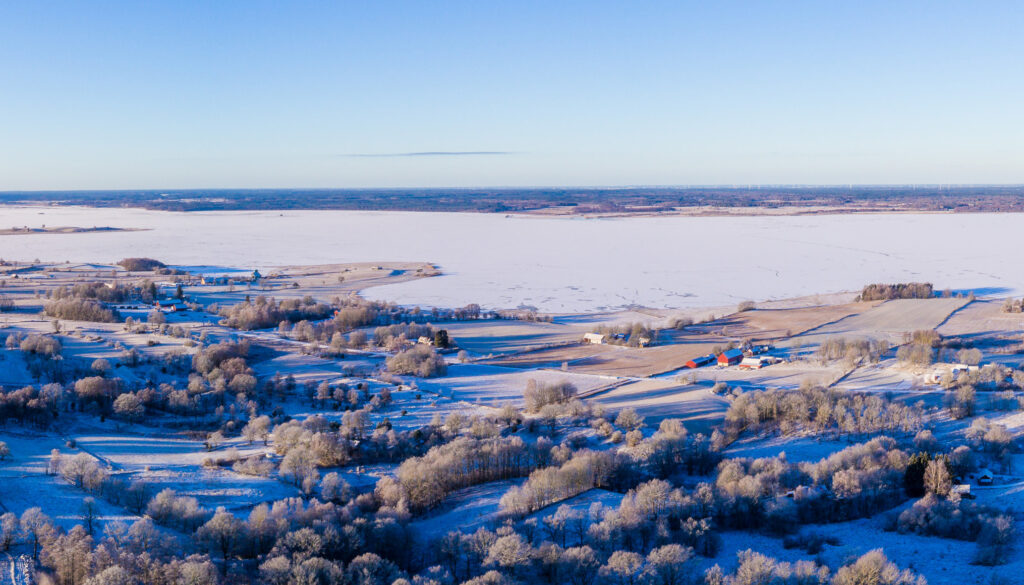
<point>24,482</point>
<point>493,385</point>
<point>559,264</point>
<point>797,449</point>
<point>467,510</point>
<point>163,462</point>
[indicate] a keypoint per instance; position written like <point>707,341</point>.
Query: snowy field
<point>163,462</point>
<point>24,482</point>
<point>495,385</point>
<point>559,264</point>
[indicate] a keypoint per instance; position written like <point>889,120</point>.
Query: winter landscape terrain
<point>322,397</point>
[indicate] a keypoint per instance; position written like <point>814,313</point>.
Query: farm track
<point>17,572</point>
<point>607,387</point>
<point>524,351</point>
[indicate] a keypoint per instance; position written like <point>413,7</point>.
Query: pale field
<point>497,337</point>
<point>796,448</point>
<point>676,347</point>
<point>656,400</point>
<point>466,510</point>
<point>982,317</point>
<point>24,482</point>
<point>487,385</point>
<point>610,360</point>
<point>891,321</point>
<point>177,463</point>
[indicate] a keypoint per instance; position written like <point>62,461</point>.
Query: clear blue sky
<point>99,95</point>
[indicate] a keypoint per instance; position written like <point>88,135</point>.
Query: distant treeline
<point>905,290</point>
<point>903,197</point>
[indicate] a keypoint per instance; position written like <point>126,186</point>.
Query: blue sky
<point>103,95</point>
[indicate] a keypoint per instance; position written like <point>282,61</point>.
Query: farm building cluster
<point>748,358</point>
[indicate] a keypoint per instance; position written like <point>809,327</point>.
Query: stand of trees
<point>821,410</point>
<point>908,290</point>
<point>421,360</point>
<point>267,312</point>
<point>73,309</point>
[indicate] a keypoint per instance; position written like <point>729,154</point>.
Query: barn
<point>700,362</point>
<point>730,357</point>
<point>596,338</point>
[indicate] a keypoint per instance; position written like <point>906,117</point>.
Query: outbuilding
<point>597,338</point>
<point>963,490</point>
<point>700,362</point>
<point>170,305</point>
<point>730,357</point>
<point>985,477</point>
<point>753,363</point>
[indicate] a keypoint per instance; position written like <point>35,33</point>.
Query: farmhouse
<point>700,362</point>
<point>730,357</point>
<point>757,350</point>
<point>593,338</point>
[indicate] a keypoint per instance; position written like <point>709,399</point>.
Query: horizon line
<point>731,186</point>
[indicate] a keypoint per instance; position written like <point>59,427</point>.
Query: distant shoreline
<point>27,231</point>
<point>555,212</point>
<point>561,201</point>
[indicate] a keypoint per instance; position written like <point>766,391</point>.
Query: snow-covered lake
<point>561,264</point>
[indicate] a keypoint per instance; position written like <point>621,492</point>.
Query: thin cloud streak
<point>429,153</point>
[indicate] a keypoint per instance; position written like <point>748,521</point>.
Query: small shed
<point>593,338</point>
<point>730,357</point>
<point>963,490</point>
<point>985,477</point>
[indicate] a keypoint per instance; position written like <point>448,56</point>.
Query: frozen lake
<point>560,264</point>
